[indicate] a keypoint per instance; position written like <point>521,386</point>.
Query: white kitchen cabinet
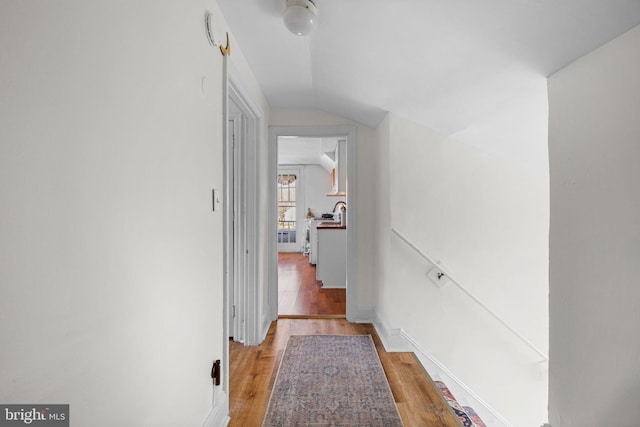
<point>313,242</point>
<point>331,262</point>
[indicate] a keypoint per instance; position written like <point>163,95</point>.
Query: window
<point>286,208</point>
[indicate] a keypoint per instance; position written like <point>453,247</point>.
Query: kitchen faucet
<point>342,212</point>
<point>339,203</point>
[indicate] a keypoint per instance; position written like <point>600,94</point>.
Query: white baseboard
<point>397,340</point>
<point>219,415</point>
<point>392,339</point>
<point>326,285</point>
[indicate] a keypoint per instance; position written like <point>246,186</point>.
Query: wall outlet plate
<point>438,277</point>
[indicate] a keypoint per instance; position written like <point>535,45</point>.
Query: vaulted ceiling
<point>446,64</point>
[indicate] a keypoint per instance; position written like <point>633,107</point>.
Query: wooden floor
<point>300,294</point>
<point>253,371</point>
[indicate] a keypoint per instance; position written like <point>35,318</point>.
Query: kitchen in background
<point>312,211</point>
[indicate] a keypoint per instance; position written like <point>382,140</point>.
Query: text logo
<point>34,415</point>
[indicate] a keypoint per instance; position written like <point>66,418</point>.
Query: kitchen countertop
<point>330,225</point>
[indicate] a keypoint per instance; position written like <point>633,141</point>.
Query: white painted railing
<point>470,295</point>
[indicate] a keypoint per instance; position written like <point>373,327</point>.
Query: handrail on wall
<point>470,295</point>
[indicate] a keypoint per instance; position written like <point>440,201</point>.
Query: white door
<point>290,210</point>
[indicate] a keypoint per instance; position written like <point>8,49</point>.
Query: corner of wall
<point>392,339</point>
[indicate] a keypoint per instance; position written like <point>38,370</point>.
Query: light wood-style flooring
<point>300,294</point>
<point>253,371</point>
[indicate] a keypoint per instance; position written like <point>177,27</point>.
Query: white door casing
<point>243,121</point>
<point>349,134</point>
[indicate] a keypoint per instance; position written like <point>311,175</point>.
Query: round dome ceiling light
<point>300,16</point>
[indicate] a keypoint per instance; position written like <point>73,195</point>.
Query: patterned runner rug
<point>331,380</point>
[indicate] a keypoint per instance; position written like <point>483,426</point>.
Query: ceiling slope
<point>443,64</point>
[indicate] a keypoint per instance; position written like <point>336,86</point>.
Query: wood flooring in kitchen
<point>301,295</point>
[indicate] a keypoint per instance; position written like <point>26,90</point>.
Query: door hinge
<point>233,311</point>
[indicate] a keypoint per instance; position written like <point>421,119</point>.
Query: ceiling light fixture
<point>300,16</point>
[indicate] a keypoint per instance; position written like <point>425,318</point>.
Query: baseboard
<point>464,394</point>
<point>397,340</point>
<point>392,339</point>
<point>326,285</point>
<point>312,316</point>
<point>219,415</point>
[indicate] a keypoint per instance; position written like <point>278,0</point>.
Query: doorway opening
<point>312,255</point>
<point>306,192</point>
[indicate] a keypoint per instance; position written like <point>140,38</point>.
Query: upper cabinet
<point>339,172</point>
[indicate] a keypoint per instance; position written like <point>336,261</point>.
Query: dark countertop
<point>328,225</point>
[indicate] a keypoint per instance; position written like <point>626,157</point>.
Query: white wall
<point>595,238</point>
<point>486,219</point>
<point>317,183</point>
<point>365,192</point>
<point>382,225</point>
<point>110,257</point>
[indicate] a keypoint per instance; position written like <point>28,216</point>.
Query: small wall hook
<point>226,51</point>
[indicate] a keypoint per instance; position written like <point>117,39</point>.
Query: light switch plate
<point>216,196</point>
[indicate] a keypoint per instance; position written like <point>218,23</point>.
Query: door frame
<point>236,201</point>
<point>349,133</point>
<point>253,123</point>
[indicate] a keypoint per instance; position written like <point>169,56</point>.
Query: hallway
<point>301,295</point>
<point>253,370</point>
